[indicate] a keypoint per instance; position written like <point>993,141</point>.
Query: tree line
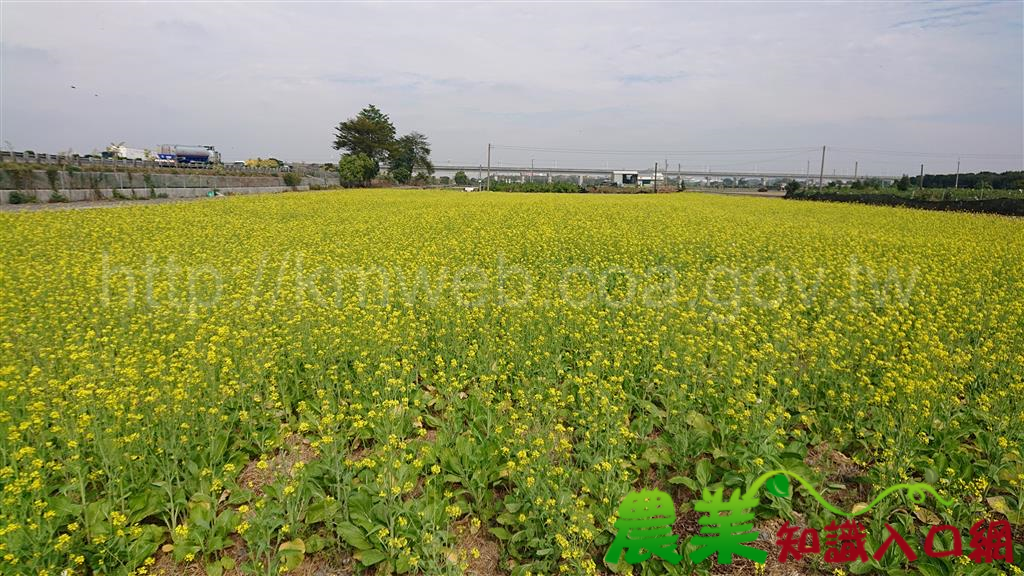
<point>1012,180</point>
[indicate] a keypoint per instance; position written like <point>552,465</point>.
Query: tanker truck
<point>189,154</point>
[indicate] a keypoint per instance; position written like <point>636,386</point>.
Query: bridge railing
<point>29,157</point>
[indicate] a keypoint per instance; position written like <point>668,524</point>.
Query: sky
<point>744,86</point>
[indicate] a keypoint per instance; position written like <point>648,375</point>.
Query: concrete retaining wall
<point>43,196</point>
<point>85,185</point>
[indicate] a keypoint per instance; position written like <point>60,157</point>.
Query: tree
<point>370,133</point>
<point>461,179</point>
<point>792,187</point>
<point>356,169</point>
<point>402,175</point>
<point>408,153</point>
<point>903,184</point>
<point>292,179</point>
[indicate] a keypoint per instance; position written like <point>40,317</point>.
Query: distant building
<point>648,179</point>
<point>625,178</point>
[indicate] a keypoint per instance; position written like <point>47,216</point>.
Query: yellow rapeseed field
<point>447,382</point>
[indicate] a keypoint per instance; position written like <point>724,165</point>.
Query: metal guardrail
<point>115,163</point>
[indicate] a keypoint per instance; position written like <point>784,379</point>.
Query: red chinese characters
<point>845,542</point>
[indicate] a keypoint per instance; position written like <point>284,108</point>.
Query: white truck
<point>127,153</point>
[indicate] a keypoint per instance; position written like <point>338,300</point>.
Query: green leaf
<point>321,511</point>
<point>699,422</point>
<point>316,543</point>
<point>998,503</point>
<point>927,516</point>
<point>685,481</point>
<point>703,473</point>
<point>183,550</point>
<point>859,567</point>
<point>778,485</point>
<point>500,533</point>
<point>352,535</point>
<point>64,506</point>
<point>292,553</point>
<point>370,557</point>
<point>214,569</point>
<point>655,455</point>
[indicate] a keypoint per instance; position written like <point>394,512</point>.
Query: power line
<point>728,152</point>
<point>927,154</point>
<point>760,161</point>
<point>649,152</point>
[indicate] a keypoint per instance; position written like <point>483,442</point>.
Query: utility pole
<point>821,175</point>
<point>920,181</point>
<point>488,166</point>
<point>679,175</point>
<point>655,180</point>
<point>956,182</point>
<point>855,163</point>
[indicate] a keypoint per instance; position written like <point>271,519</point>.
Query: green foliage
<point>370,133</point>
<point>356,170</point>
<point>792,187</point>
<point>402,175</point>
<point>1011,180</point>
<point>22,197</point>
<point>903,184</point>
<point>94,185</point>
<point>461,179</point>
<point>560,187</point>
<point>148,179</point>
<point>292,179</point>
<point>51,175</point>
<point>56,197</point>
<point>19,174</point>
<point>409,153</point>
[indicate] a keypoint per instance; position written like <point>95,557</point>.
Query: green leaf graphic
<point>778,485</point>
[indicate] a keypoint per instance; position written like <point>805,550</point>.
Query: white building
<point>648,179</point>
<point>625,177</point>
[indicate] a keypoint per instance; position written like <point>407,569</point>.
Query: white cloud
<point>273,79</point>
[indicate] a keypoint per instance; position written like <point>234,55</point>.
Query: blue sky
<point>646,82</point>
